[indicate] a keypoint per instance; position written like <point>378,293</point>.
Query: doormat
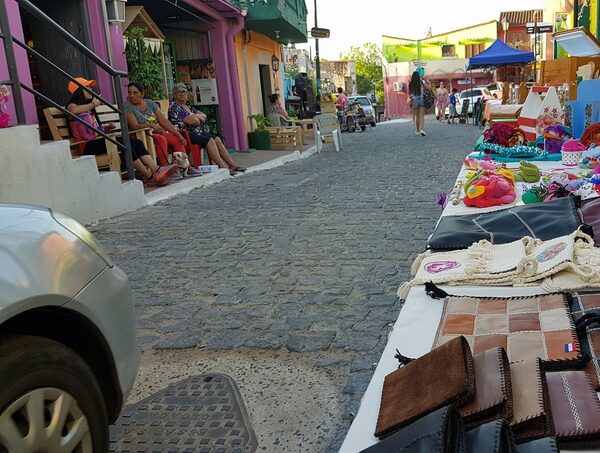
<point>201,414</point>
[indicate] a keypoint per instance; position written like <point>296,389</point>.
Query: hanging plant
<point>143,62</point>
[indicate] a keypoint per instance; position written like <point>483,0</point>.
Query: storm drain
<point>201,414</point>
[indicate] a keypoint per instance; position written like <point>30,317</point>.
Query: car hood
<point>41,262</point>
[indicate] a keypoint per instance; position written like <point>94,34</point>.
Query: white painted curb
<point>183,187</point>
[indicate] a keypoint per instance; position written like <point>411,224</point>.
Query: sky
<point>354,22</point>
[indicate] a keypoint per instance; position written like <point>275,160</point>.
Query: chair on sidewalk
<point>325,126</point>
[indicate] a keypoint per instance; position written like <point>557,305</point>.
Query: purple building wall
<point>221,41</point>
<point>14,17</point>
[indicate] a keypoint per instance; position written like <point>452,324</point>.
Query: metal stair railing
<point>9,41</point>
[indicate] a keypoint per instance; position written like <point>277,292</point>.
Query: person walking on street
<point>452,106</point>
<point>441,101</point>
<point>342,100</point>
<point>415,88</point>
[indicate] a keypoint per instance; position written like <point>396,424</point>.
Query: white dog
<point>182,161</point>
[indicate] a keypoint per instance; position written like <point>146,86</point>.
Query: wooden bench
<point>286,138</point>
<point>60,130</point>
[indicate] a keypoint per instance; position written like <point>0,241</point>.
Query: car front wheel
<point>49,399</point>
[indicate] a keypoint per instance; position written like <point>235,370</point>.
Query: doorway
<point>73,17</point>
<point>266,89</point>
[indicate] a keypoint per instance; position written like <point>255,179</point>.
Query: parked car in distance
<point>496,89</point>
<point>68,352</point>
<point>366,105</point>
<point>473,95</point>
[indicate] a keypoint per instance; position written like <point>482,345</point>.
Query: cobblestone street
<point>298,264</point>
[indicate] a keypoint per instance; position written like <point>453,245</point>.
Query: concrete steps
<point>46,174</point>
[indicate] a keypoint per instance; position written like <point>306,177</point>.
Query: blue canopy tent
<point>500,54</point>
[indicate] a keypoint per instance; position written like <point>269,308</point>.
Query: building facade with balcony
<point>444,58</point>
<point>269,25</point>
<point>340,73</point>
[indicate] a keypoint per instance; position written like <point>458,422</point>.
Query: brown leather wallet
<point>575,409</point>
<point>443,376</point>
<point>493,390</point>
<point>531,417</point>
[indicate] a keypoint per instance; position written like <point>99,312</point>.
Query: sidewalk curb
<point>187,186</point>
<point>175,190</point>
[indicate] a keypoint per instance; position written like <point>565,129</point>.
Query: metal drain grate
<point>201,414</point>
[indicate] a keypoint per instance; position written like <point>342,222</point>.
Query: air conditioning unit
<point>398,86</point>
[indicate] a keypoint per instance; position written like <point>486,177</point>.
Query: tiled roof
<point>521,17</point>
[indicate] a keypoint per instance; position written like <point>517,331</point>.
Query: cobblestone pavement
<point>303,258</point>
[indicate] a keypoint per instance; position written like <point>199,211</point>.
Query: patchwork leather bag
<point>441,431</point>
<point>543,221</point>
<point>441,377</point>
<point>575,409</point>
<point>527,327</point>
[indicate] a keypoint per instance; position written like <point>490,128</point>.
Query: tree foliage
<point>368,63</point>
<point>144,64</point>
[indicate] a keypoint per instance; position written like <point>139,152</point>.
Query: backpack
<point>80,131</point>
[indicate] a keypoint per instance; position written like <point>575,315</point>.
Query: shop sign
<point>205,91</point>
<point>319,32</point>
<point>540,27</point>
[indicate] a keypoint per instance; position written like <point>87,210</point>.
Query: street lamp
<point>275,63</point>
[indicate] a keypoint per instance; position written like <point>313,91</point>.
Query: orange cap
<point>73,87</point>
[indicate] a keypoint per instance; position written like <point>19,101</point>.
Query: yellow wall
<point>259,51</point>
<point>399,49</point>
<point>594,17</point>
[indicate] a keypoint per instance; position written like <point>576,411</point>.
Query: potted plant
<point>259,138</point>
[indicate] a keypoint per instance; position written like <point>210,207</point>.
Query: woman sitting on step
<point>83,104</point>
<point>187,117</point>
<point>143,113</point>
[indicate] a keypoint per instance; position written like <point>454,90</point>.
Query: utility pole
<point>317,59</point>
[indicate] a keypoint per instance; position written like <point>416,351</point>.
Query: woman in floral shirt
<point>188,118</point>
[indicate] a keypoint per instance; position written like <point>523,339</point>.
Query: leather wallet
<point>493,392</point>
<point>492,437</point>
<point>543,445</point>
<point>587,305</point>
<point>590,211</point>
<point>531,407</point>
<point>544,221</point>
<point>441,431</point>
<point>575,409</point>
<point>441,377</point>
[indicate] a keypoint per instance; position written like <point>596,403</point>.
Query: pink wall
<point>100,47</point>
<point>14,18</point>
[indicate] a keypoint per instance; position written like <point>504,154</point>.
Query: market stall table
<point>414,331</point>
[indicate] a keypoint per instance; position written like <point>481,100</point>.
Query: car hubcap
<point>46,420</point>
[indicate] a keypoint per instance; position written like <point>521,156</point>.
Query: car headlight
<point>82,233</point>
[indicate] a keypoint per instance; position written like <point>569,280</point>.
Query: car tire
<point>38,373</point>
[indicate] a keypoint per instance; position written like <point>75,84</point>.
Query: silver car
<point>366,105</point>
<point>68,353</point>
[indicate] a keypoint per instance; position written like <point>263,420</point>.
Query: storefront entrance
<point>265,85</point>
<point>72,16</point>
